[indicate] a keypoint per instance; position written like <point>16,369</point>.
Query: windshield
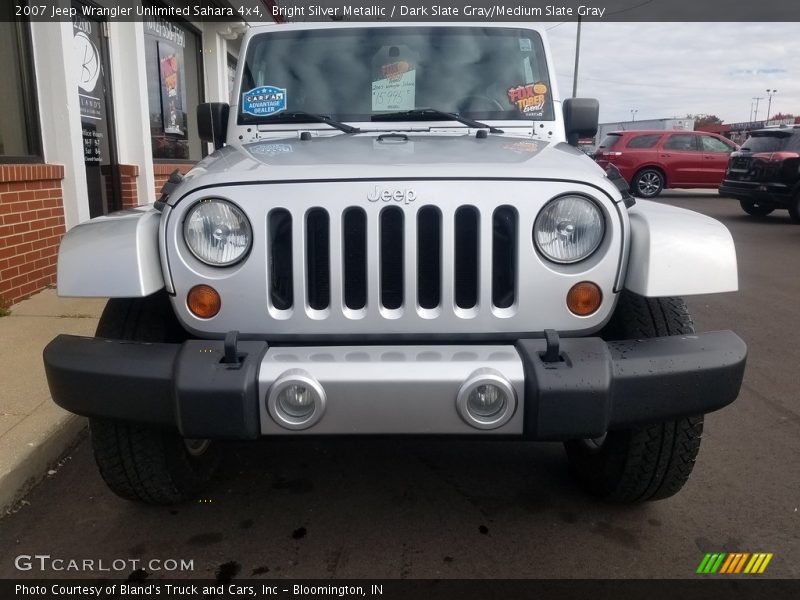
<point>355,74</point>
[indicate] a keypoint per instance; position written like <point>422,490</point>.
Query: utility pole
<point>769,106</point>
<point>633,114</point>
<point>755,115</point>
<point>577,60</point>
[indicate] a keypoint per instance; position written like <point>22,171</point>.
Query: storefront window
<point>173,89</point>
<point>19,121</point>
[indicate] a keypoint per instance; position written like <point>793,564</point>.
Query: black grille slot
<point>504,252</point>
<point>318,262</point>
<point>466,257</point>
<point>392,258</point>
<point>354,227</point>
<point>280,259</point>
<point>429,257</point>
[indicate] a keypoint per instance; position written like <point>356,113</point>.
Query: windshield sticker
<point>397,89</point>
<point>264,101</point>
<point>529,99</point>
<point>525,45</point>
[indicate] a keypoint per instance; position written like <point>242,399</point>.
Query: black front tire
<point>756,209</point>
<point>794,208</point>
<point>139,462</point>
<point>151,465</point>
<point>648,183</point>
<point>651,462</point>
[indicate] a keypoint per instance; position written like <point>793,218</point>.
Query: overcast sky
<point>671,69</point>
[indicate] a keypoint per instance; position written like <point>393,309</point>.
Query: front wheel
<point>794,208</point>
<point>648,183</point>
<point>650,462</point>
<point>756,209</point>
<point>139,462</point>
<point>151,465</point>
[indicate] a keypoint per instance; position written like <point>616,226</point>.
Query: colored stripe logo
<point>734,562</point>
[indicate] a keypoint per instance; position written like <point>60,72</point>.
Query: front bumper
<point>594,385</point>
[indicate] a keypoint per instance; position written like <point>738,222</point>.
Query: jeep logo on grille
<point>405,196</point>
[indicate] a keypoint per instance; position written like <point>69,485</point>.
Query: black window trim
<point>30,108</point>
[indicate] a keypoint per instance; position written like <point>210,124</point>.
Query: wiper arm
<point>300,116</point>
<point>433,113</point>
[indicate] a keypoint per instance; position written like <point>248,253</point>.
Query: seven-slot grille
<point>399,259</point>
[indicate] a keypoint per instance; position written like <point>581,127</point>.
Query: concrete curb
<point>34,432</point>
<point>33,447</point>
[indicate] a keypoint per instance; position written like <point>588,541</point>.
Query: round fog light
<point>296,400</point>
<point>486,400</point>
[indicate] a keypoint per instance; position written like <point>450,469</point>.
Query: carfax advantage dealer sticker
<point>264,101</point>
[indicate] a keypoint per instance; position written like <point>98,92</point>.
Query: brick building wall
<point>32,222</point>
<point>31,227</point>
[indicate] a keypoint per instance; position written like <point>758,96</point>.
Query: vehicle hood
<point>397,156</point>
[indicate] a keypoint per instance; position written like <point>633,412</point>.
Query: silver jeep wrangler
<point>396,235</point>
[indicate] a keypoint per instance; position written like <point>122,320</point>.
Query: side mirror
<point>212,122</point>
<point>581,118</point>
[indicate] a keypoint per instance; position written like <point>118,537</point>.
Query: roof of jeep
<point>261,27</point>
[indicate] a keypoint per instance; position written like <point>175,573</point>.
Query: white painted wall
<point>59,110</point>
<point>215,63</point>
<point>216,47</point>
<point>129,85</point>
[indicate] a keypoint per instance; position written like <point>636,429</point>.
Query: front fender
<point>115,256</point>
<point>678,252</point>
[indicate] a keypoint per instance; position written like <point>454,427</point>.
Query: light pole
<point>577,60</point>
<point>755,114</point>
<point>633,114</point>
<point>769,106</point>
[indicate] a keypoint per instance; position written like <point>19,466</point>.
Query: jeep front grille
<point>328,262</point>
<point>413,268</point>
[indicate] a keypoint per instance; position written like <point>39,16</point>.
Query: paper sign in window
<point>395,93</point>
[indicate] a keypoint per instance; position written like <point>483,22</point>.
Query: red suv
<point>653,160</point>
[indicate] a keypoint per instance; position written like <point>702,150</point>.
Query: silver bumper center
<point>391,389</point>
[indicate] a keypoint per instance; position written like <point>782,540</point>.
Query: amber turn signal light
<point>203,301</point>
<point>584,298</point>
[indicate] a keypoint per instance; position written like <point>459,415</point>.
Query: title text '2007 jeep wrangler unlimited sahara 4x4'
<point>396,235</point>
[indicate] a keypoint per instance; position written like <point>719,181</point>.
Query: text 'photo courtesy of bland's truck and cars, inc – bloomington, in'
<point>443,292</point>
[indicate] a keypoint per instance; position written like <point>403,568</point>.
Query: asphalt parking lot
<point>438,509</point>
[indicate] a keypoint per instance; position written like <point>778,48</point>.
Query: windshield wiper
<point>299,116</point>
<point>432,113</point>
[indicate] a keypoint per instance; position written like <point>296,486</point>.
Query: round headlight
<point>568,229</point>
<point>217,232</point>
